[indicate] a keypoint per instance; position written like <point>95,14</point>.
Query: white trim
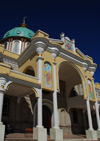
<point>56,40</point>
<point>5,65</point>
<point>81,53</point>
<point>24,74</point>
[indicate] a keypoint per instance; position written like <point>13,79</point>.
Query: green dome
<point>20,32</point>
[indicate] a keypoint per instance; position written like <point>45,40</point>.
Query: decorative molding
<point>54,52</point>
<point>56,40</point>
<point>39,57</point>
<point>81,53</point>
<point>10,62</point>
<point>92,70</point>
<point>40,47</point>
<point>24,74</point>
<point>2,64</point>
<point>85,66</point>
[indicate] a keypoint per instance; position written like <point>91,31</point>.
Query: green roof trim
<point>20,32</point>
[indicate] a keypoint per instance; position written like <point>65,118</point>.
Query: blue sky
<point>78,19</point>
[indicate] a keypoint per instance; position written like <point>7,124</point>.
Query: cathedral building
<point>46,85</point>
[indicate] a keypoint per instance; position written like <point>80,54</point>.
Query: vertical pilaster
<point>40,47</point>
<point>55,108</point>
<point>39,132</point>
<point>96,106</point>
<point>97,115</point>
<point>2,91</point>
<point>55,132</point>
<point>89,114</point>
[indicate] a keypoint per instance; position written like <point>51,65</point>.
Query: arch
<point>10,83</point>
<point>78,71</point>
<point>47,103</point>
<point>29,70</point>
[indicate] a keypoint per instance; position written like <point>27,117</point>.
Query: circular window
<point>30,34</point>
<point>18,32</point>
<point>7,33</point>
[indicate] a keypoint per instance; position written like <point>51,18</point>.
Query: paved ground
<point>29,137</point>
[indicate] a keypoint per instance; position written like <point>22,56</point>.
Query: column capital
<point>40,47</point>
<point>39,57</point>
<point>54,51</point>
<point>93,79</point>
<point>2,83</point>
<point>54,62</point>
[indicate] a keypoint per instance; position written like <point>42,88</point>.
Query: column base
<point>98,134</point>
<point>40,134</point>
<point>56,134</point>
<point>2,132</point>
<point>91,134</point>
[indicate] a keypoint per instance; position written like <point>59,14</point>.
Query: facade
<point>46,85</point>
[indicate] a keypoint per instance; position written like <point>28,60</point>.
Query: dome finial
<point>24,24</point>
<point>24,19</point>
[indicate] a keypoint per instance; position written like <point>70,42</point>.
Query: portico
<point>42,77</point>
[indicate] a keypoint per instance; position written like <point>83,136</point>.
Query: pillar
<point>90,133</point>
<point>97,111</point>
<point>39,132</point>
<point>55,132</point>
<point>89,114</point>
<point>2,91</point>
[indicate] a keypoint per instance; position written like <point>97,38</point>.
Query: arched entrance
<point>46,118</point>
<point>70,81</point>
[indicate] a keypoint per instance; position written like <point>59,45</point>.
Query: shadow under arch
<point>20,86</point>
<point>29,70</point>
<point>77,70</point>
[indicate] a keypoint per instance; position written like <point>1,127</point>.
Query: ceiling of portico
<point>68,73</point>
<point>18,90</point>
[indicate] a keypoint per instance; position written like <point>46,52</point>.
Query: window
<point>5,45</point>
<point>30,71</point>
<point>16,47</point>
<point>6,107</point>
<point>27,43</point>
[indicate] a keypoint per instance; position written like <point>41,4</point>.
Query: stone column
<point>55,132</point>
<point>97,114</point>
<point>55,107</point>
<point>2,91</point>
<point>97,111</point>
<point>39,132</point>
<point>90,133</point>
<point>89,114</point>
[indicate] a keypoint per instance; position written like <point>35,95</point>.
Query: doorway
<point>46,118</point>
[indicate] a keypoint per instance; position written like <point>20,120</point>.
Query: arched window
<point>26,44</point>
<point>47,75</point>
<point>5,45</point>
<point>6,107</point>
<point>73,93</point>
<point>30,71</point>
<point>75,119</point>
<point>16,47</point>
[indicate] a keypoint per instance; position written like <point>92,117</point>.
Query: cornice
<point>81,53</point>
<point>57,49</point>
<point>56,40</point>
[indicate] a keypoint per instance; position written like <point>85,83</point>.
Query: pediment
<point>41,33</point>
